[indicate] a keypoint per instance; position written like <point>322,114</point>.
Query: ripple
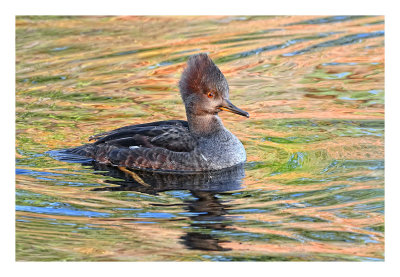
<point>327,20</point>
<point>346,40</point>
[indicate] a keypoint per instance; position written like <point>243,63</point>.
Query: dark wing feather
<point>165,145</point>
<point>146,128</point>
<point>156,158</point>
<point>176,139</point>
<point>173,135</point>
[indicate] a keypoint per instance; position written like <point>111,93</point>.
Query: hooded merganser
<point>201,143</point>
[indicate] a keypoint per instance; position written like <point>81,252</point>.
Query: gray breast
<point>221,150</point>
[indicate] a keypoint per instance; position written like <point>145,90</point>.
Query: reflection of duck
<point>152,182</point>
<point>207,213</point>
<point>201,143</point>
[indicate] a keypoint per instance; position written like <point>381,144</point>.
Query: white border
<point>204,7</point>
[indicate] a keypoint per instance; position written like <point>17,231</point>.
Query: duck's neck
<point>204,125</point>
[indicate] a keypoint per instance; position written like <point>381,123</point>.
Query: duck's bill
<point>229,107</point>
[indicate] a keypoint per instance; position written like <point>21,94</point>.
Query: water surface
<point>312,188</point>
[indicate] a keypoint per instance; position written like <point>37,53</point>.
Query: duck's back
<point>173,135</point>
<point>161,145</point>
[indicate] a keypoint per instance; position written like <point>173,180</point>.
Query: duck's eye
<point>210,94</point>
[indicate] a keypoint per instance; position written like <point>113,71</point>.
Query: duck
<point>201,143</point>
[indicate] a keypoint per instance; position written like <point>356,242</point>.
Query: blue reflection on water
<point>19,171</point>
<point>154,215</point>
<point>60,211</point>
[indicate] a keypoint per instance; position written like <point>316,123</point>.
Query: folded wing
<point>166,145</point>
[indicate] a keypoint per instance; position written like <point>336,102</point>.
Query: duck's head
<point>204,89</point>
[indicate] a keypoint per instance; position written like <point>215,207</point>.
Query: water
<point>313,186</point>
